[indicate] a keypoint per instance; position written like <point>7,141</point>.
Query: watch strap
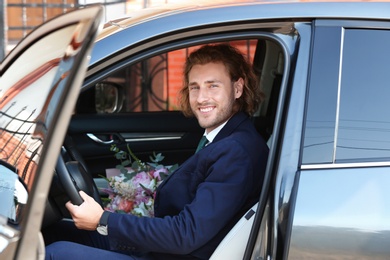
<point>104,218</point>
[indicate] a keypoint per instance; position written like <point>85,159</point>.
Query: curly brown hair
<point>237,66</point>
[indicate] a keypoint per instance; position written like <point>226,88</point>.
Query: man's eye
<point>194,87</point>
<point>213,86</point>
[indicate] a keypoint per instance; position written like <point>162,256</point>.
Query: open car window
<point>152,84</point>
<point>149,85</point>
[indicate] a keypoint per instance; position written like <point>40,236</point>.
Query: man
<point>200,202</point>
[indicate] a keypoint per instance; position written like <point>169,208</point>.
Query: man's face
<point>212,94</point>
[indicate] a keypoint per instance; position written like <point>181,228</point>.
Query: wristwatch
<point>102,227</point>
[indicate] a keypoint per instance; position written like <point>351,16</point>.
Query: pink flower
<point>141,178</point>
<point>157,173</point>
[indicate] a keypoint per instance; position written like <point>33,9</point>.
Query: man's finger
<point>84,195</point>
<point>69,204</point>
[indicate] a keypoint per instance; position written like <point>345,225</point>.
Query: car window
<point>152,84</point>
<point>149,85</point>
<point>364,124</point>
<point>347,117</point>
<point>321,113</point>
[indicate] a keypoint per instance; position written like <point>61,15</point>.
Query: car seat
<point>234,244</point>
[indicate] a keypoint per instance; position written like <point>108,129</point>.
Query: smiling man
<point>198,204</point>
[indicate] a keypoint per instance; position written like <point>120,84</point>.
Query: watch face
<point>102,230</point>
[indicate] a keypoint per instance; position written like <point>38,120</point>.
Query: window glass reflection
<point>321,113</point>
<point>364,125</point>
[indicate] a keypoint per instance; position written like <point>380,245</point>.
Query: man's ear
<point>238,88</point>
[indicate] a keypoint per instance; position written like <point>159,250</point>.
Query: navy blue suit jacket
<point>199,203</point>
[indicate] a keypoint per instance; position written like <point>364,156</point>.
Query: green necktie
<point>202,143</point>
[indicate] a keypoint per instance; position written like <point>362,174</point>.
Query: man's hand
<point>87,215</point>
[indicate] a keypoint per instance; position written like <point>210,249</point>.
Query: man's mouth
<point>206,109</point>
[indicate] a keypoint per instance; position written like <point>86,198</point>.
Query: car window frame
<point>337,25</point>
<point>172,45</point>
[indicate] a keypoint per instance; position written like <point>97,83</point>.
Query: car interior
<point>135,104</point>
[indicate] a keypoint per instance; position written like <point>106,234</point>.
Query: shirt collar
<point>210,136</point>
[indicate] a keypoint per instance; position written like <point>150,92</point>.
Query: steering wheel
<point>74,176</point>
<point>71,176</point>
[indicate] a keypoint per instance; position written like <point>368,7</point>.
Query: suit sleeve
<point>217,199</point>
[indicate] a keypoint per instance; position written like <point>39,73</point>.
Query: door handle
<point>108,140</point>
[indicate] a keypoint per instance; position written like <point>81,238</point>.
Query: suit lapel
<point>231,125</point>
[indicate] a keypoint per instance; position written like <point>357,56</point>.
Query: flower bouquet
<point>133,190</point>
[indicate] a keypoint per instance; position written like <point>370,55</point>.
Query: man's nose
<point>203,94</point>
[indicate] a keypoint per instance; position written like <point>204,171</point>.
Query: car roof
<point>155,21</point>
<point>271,9</point>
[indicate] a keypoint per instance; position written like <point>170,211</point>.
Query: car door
<point>132,69</point>
<point>94,129</point>
<point>341,208</point>
<point>39,84</point>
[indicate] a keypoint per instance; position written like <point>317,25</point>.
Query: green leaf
<point>173,168</point>
<point>147,191</point>
<point>159,166</point>
<point>156,157</point>
<point>152,165</point>
<point>129,176</point>
<point>163,176</point>
<point>113,148</point>
<point>135,165</point>
<point>126,163</point>
<point>121,155</point>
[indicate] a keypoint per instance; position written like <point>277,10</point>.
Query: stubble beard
<point>217,119</point>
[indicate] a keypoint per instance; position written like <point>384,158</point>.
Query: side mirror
<point>108,97</point>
